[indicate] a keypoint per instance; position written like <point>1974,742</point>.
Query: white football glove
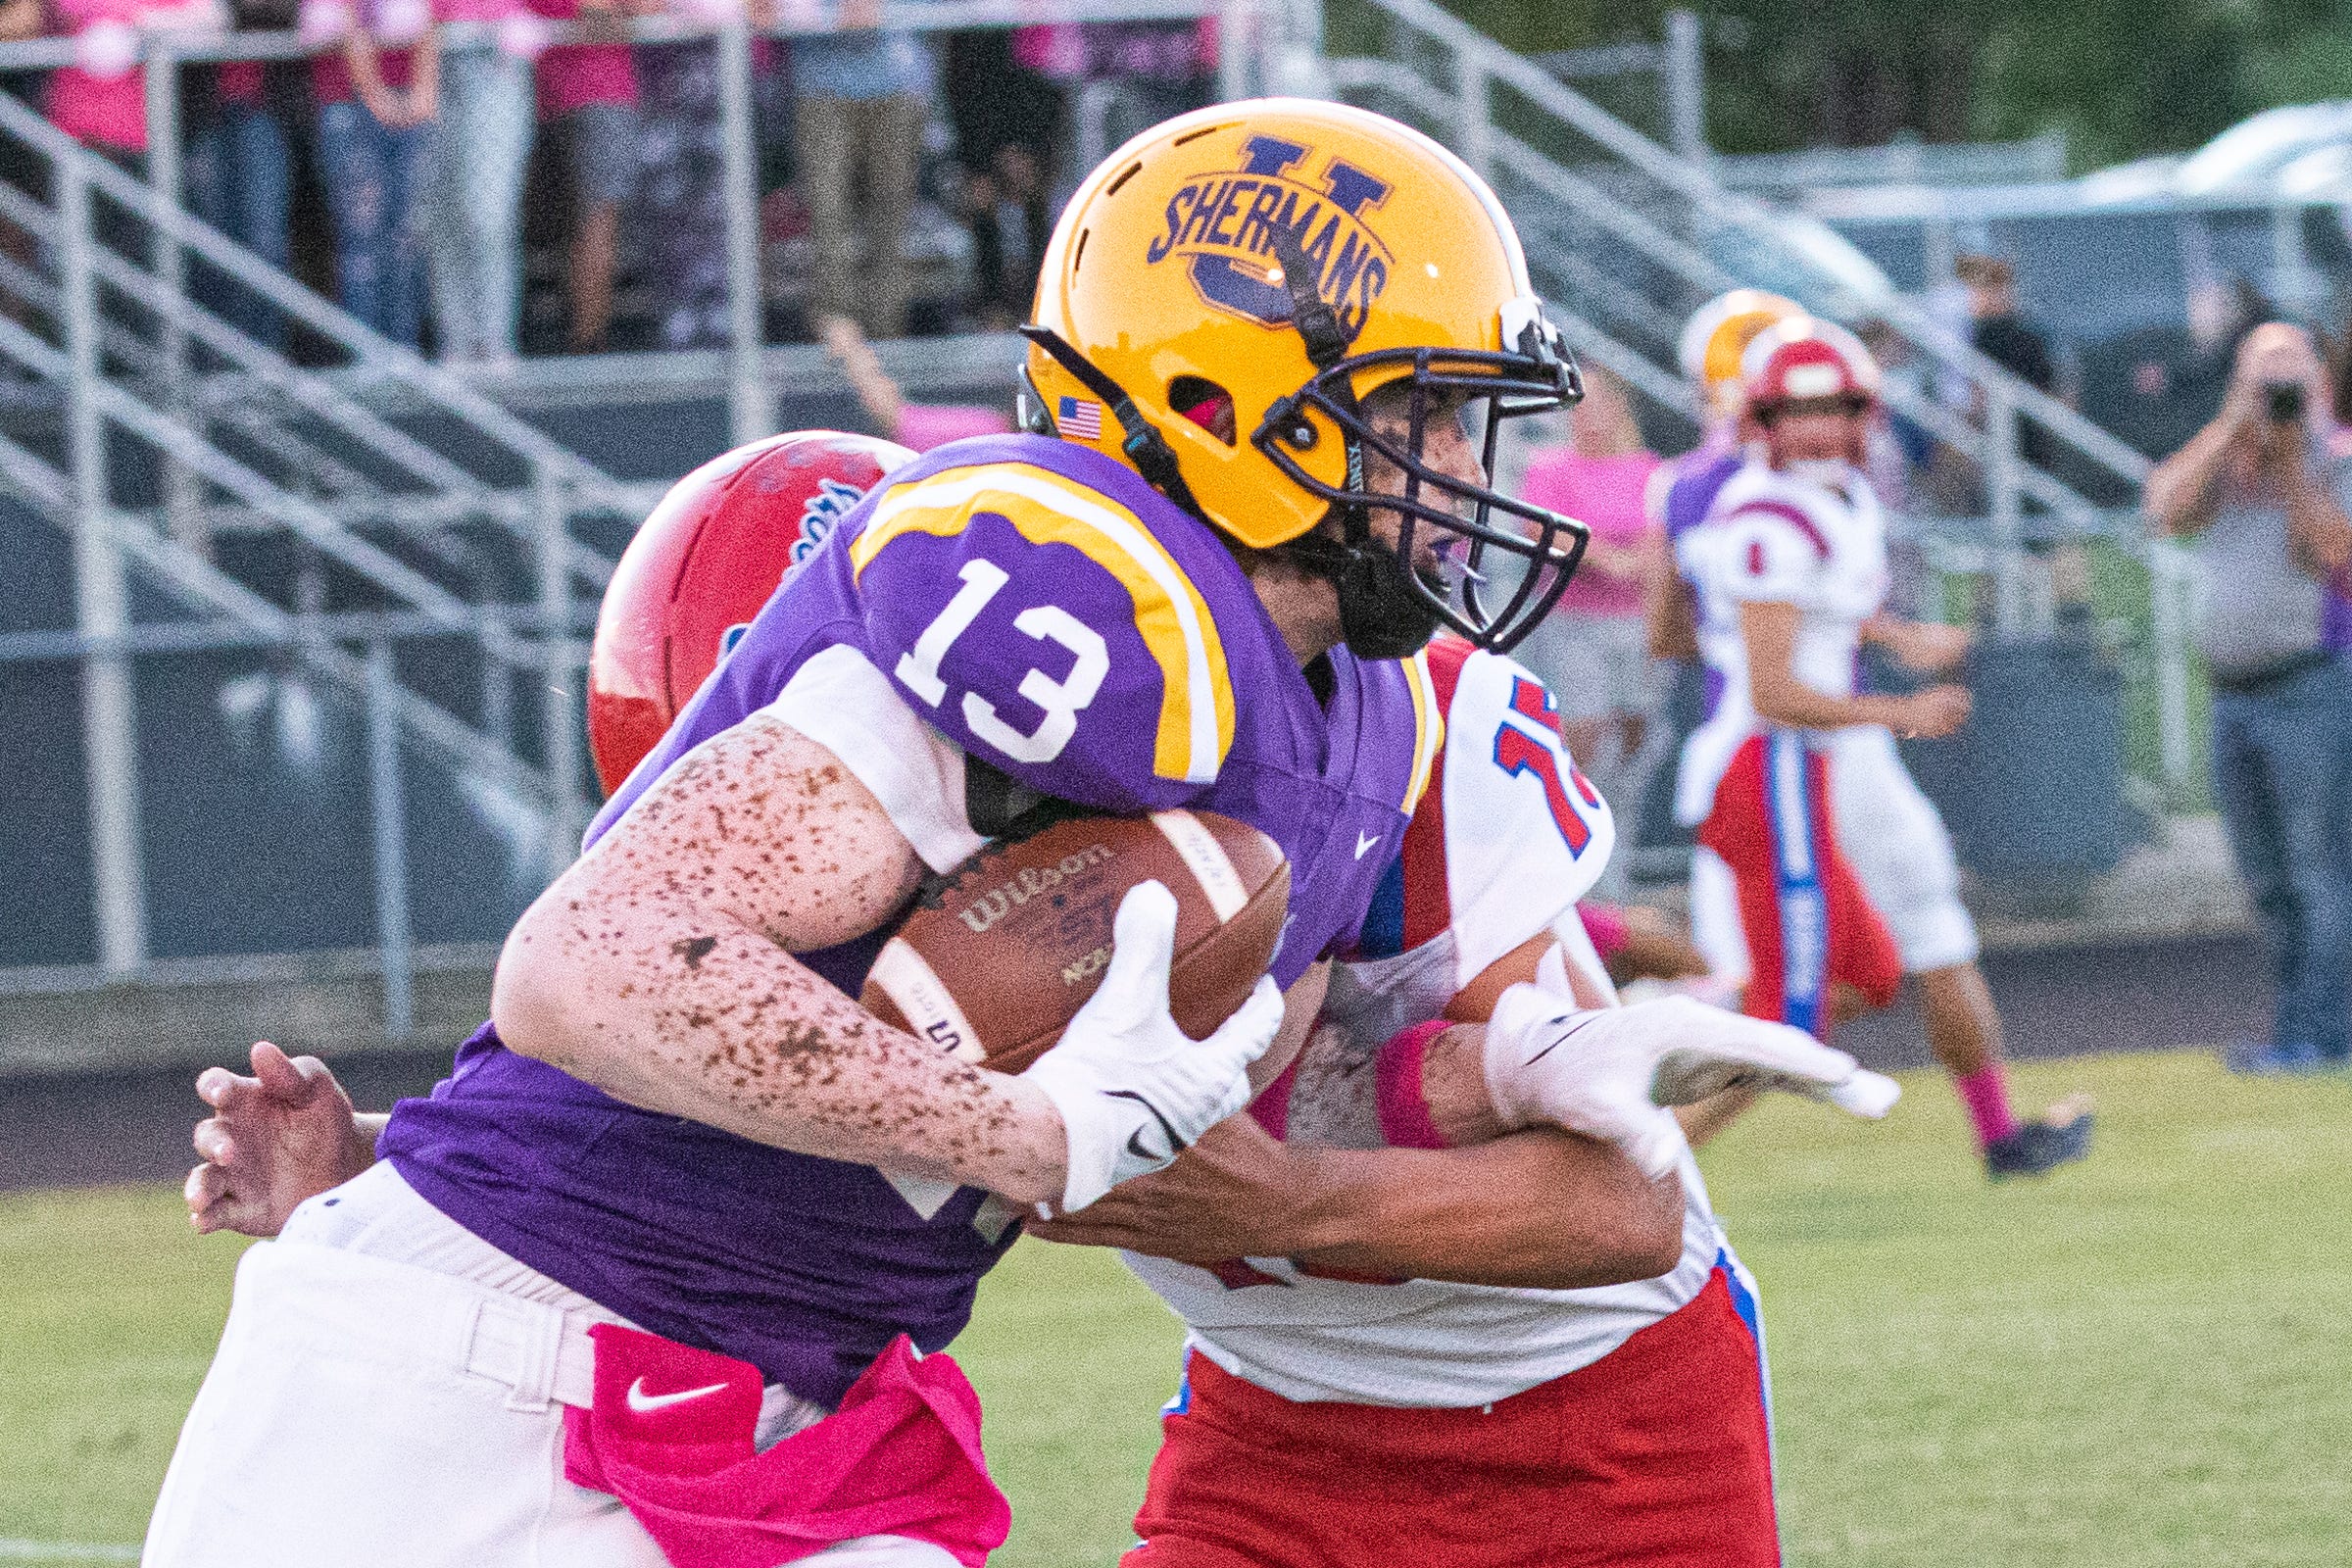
<point>1612,1073</point>
<point>1134,1090</point>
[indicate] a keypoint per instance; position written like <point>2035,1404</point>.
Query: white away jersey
<point>1496,853</point>
<point>1819,544</point>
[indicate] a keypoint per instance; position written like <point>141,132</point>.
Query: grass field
<point>2143,1362</point>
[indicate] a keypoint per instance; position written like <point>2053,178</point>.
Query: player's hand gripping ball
<point>998,956</point>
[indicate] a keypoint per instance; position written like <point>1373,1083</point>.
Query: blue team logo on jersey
<point>1221,227</point>
<point>821,516</point>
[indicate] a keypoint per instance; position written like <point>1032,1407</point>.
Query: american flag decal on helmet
<point>1079,416</point>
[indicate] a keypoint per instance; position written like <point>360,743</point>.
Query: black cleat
<point>2042,1144</point>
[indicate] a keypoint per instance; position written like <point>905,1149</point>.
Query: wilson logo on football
<point>1005,897</point>
<point>1221,227</point>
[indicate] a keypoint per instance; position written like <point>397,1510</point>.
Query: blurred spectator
<point>1593,650</point>
<point>858,115</point>
<point>378,92</point>
<point>2264,488</point>
<point>920,425</point>
<point>1999,330</point>
<point>591,90</point>
<point>241,118</point>
<point>475,190</point>
<point>1006,206</point>
<point>101,99</point>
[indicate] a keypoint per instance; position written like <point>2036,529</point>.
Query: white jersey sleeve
<point>839,699</point>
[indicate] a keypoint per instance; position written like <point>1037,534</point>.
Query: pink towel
<point>670,1435</point>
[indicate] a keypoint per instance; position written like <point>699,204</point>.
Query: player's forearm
<point>693,1015</point>
<point>1793,703</point>
<point>1540,1208</point>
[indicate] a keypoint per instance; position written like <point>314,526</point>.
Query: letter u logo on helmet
<point>1279,289</point>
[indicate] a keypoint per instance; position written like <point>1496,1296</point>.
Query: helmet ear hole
<point>1208,405</point>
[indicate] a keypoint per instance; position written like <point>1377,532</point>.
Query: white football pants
<point>389,1392</point>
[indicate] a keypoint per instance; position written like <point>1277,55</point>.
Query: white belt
<point>543,1355</point>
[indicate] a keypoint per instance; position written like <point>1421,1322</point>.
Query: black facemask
<point>1383,599</point>
<point>1385,609</point>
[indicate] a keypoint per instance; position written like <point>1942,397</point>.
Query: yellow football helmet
<point>1718,334</point>
<point>1225,291</point>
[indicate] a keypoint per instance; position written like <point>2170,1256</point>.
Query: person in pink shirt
<point>591,89</point>
<point>101,99</point>
<point>1593,650</point>
<point>378,93</point>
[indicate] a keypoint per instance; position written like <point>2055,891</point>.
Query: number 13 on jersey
<point>1060,701</point>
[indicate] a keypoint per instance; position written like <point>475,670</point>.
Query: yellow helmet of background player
<point>1286,260</point>
<point>1718,334</point>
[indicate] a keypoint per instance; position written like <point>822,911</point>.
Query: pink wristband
<point>1405,1119</point>
<point>1272,1107</point>
<point>1605,924</point>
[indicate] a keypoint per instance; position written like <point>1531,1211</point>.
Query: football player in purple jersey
<point>647,1277</point>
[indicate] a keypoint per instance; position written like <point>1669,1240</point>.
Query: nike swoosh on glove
<point>1133,1089</point>
<point>1612,1073</point>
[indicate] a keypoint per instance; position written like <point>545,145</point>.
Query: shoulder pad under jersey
<point>1766,538</point>
<point>1510,834</point>
<point>1065,625</point>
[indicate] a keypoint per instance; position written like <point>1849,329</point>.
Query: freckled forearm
<point>722,1027</point>
<point>661,968</point>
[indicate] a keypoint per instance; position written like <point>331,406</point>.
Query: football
<point>1000,954</point>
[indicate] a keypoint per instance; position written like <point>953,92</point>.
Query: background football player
<point>1820,860</point>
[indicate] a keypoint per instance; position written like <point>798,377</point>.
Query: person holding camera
<point>2262,492</point>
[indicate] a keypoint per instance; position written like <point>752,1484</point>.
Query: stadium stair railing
<point>433,580</point>
<point>1626,237</point>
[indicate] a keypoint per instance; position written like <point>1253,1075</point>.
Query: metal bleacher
<point>290,653</point>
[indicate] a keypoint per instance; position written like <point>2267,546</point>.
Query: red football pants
<point>1659,1455</point>
<point>1807,922</point>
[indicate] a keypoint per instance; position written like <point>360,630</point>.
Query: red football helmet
<point>700,567</point>
<point>1806,360</point>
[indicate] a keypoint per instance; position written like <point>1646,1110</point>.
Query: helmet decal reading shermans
<point>1222,223</point>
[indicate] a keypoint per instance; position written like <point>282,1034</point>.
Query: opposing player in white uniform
<point>1794,777</point>
<point>1333,1415</point>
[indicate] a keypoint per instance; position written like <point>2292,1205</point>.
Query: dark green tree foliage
<point>2122,78</point>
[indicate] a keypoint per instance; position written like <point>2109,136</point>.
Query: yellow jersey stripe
<point>1429,727</point>
<point>1197,708</point>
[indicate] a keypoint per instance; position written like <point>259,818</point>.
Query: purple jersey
<point>1017,600</point>
<point>1698,478</point>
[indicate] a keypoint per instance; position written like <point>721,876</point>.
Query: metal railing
<point>178,430</point>
<point>1626,238</point>
<point>415,525</point>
